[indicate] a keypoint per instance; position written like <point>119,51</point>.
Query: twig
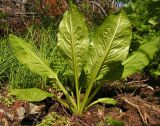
<point>36,119</point>
<point>153,107</point>
<point>138,109</point>
<point>65,111</point>
<point>137,81</point>
<point>85,124</point>
<point>131,82</point>
<point>98,5</point>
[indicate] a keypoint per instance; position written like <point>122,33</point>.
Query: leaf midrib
<point>99,66</point>
<point>30,51</point>
<point>74,65</point>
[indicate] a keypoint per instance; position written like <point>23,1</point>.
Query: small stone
<point>20,112</point>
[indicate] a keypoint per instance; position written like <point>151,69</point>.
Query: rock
<point>20,113</point>
<point>34,109</point>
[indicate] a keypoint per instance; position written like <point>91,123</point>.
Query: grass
<point>17,75</point>
<point>6,58</point>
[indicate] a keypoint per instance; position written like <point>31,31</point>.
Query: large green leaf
<point>110,44</point>
<point>140,58</point>
<point>73,39</point>
<point>28,55</point>
<point>31,94</point>
<point>73,42</point>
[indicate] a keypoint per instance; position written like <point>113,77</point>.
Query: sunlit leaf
<point>110,44</point>
<point>140,58</point>
<point>73,39</point>
<point>104,100</point>
<point>28,55</point>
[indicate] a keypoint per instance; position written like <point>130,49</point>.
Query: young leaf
<point>31,94</point>
<point>73,39</point>
<point>113,122</point>
<point>103,100</point>
<point>110,44</point>
<point>140,58</point>
<point>28,55</point>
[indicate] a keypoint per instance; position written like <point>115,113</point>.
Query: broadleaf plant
<point>141,57</point>
<point>94,55</point>
<point>73,41</point>
<point>110,44</point>
<point>37,94</point>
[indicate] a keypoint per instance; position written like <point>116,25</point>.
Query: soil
<point>140,109</point>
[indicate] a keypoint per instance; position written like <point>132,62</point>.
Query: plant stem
<point>77,94</point>
<point>62,102</point>
<point>66,94</point>
<point>86,96</point>
<point>74,63</point>
<point>93,79</point>
<point>94,93</point>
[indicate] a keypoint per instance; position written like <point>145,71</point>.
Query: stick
<point>137,107</point>
<point>98,5</point>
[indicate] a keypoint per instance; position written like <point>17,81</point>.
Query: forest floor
<point>138,105</point>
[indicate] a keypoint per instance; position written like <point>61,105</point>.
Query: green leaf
<point>110,44</point>
<point>73,39</point>
<point>107,101</point>
<point>73,42</point>
<point>153,22</point>
<point>28,55</point>
<point>103,100</point>
<point>113,122</point>
<point>31,94</point>
<point>155,71</point>
<point>140,58</point>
